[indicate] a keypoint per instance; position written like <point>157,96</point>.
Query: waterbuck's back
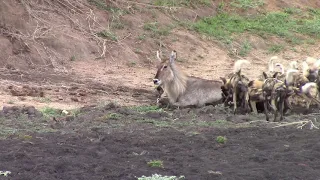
<point>200,92</point>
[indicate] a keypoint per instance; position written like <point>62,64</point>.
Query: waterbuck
<point>183,90</point>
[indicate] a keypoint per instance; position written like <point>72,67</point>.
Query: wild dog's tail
<point>293,65</point>
<point>289,75</point>
<point>308,86</point>
<point>271,61</point>
<point>310,60</point>
<point>281,67</point>
<point>316,65</point>
<point>238,64</point>
<point>305,69</point>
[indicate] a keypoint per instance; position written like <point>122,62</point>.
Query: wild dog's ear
<point>238,73</point>
<point>275,74</point>
<point>173,56</point>
<point>224,80</point>
<point>265,75</point>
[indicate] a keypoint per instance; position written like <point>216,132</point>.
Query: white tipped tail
<point>293,65</point>
<point>310,60</point>
<point>281,67</point>
<point>316,65</point>
<point>305,69</point>
<point>308,87</point>
<point>290,76</point>
<point>238,64</point>
<point>271,61</point>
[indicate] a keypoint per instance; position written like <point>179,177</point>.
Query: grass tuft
<point>247,4</point>
<point>284,25</point>
<point>155,163</point>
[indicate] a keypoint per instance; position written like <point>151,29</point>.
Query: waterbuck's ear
<point>265,75</point>
<point>173,56</point>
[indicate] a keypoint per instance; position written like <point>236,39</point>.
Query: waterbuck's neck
<point>177,86</point>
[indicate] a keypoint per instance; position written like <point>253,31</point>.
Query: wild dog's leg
<point>308,103</point>
<point>247,102</point>
<point>266,105</point>
<point>281,109</point>
<point>273,103</point>
<point>276,101</point>
<point>287,105</point>
<point>234,101</point>
<point>318,96</point>
<point>253,105</point>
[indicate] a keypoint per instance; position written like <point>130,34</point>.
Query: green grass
<point>275,49</point>
<point>106,34</point>
<point>245,48</point>
<point>22,126</point>
<point>73,58</point>
<point>10,102</point>
<point>160,177</point>
<point>147,108</point>
<point>114,116</point>
<point>43,99</point>
<point>284,25</point>
<point>50,112</point>
<point>188,3</point>
<point>247,4</point>
<point>221,139</point>
<point>101,4</point>
<point>156,30</point>
<point>155,163</point>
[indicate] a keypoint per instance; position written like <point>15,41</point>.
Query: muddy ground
<point>113,142</point>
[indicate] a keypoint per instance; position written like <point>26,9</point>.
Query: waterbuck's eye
<point>164,67</point>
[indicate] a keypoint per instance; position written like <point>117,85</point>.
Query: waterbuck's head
<point>166,69</point>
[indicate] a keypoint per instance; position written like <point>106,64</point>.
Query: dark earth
<point>116,143</point>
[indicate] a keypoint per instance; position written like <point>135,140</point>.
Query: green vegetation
<point>156,30</point>
<point>221,139</point>
<point>107,34</point>
<point>10,102</point>
<point>282,24</point>
<point>73,58</point>
<point>114,116</point>
<point>22,126</point>
<point>245,48</point>
<point>101,4</point>
<point>50,112</point>
<point>247,4</point>
<point>43,99</point>
<point>275,48</point>
<point>188,3</point>
<point>160,177</point>
<point>147,108</point>
<point>155,163</point>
